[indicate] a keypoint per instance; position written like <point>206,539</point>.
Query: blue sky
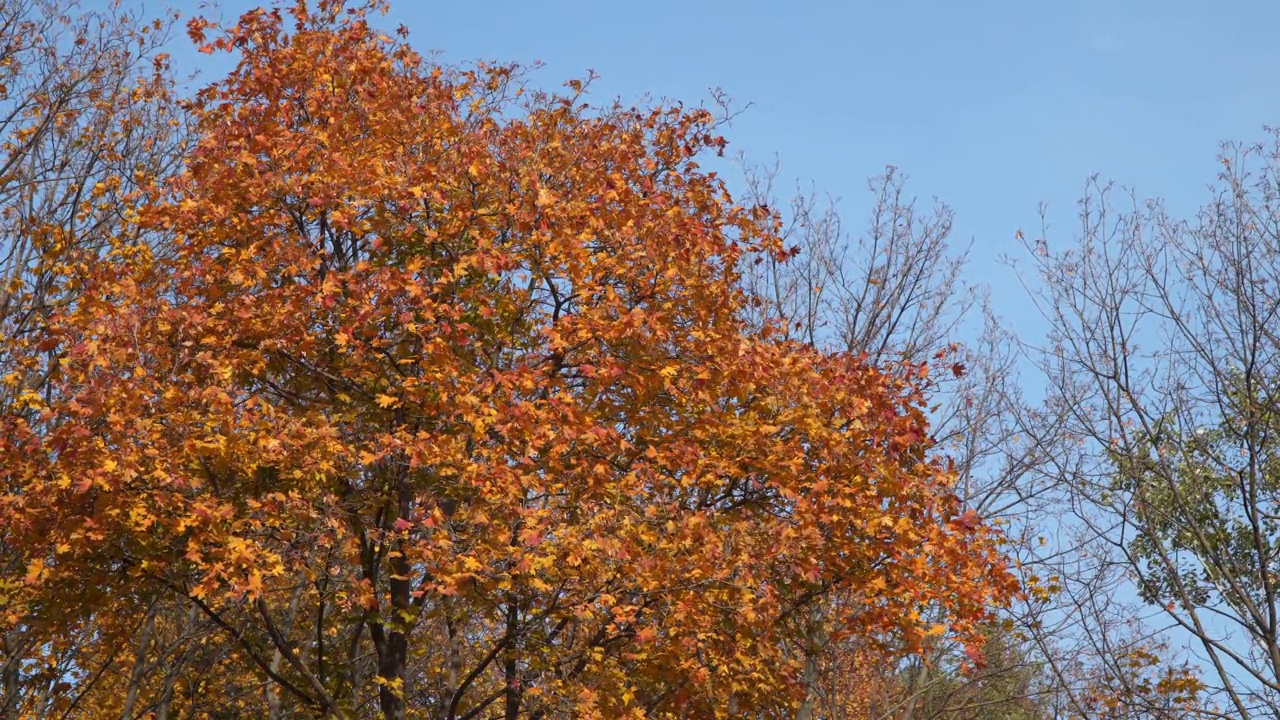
<point>990,106</point>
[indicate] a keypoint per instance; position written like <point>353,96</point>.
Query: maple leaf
<point>253,587</point>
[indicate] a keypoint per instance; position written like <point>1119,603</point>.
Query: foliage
<point>87,118</point>
<point>438,398</point>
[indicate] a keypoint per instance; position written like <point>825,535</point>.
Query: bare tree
<point>1163,369</point>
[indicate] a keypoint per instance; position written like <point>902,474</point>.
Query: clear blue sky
<point>989,106</point>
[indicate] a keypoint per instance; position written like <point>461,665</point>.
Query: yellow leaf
<point>545,197</point>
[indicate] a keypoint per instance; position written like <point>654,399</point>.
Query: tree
<point>87,118</point>
<point>443,399</point>
<point>1162,366</point>
<point>895,292</point>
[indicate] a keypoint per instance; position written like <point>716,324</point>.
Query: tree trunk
<point>175,668</point>
<point>139,665</point>
<point>9,676</point>
<point>813,641</point>
<point>393,648</point>
<point>273,694</point>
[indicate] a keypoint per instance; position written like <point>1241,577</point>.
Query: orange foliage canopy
<point>440,390</point>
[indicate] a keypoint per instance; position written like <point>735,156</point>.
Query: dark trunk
<point>391,635</point>
<point>510,668</point>
<point>9,676</point>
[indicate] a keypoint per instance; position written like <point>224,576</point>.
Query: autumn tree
<point>86,119</point>
<point>442,401</point>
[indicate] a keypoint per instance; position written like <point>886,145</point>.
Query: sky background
<point>992,107</point>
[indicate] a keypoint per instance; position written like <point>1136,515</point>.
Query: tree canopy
<point>413,391</point>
